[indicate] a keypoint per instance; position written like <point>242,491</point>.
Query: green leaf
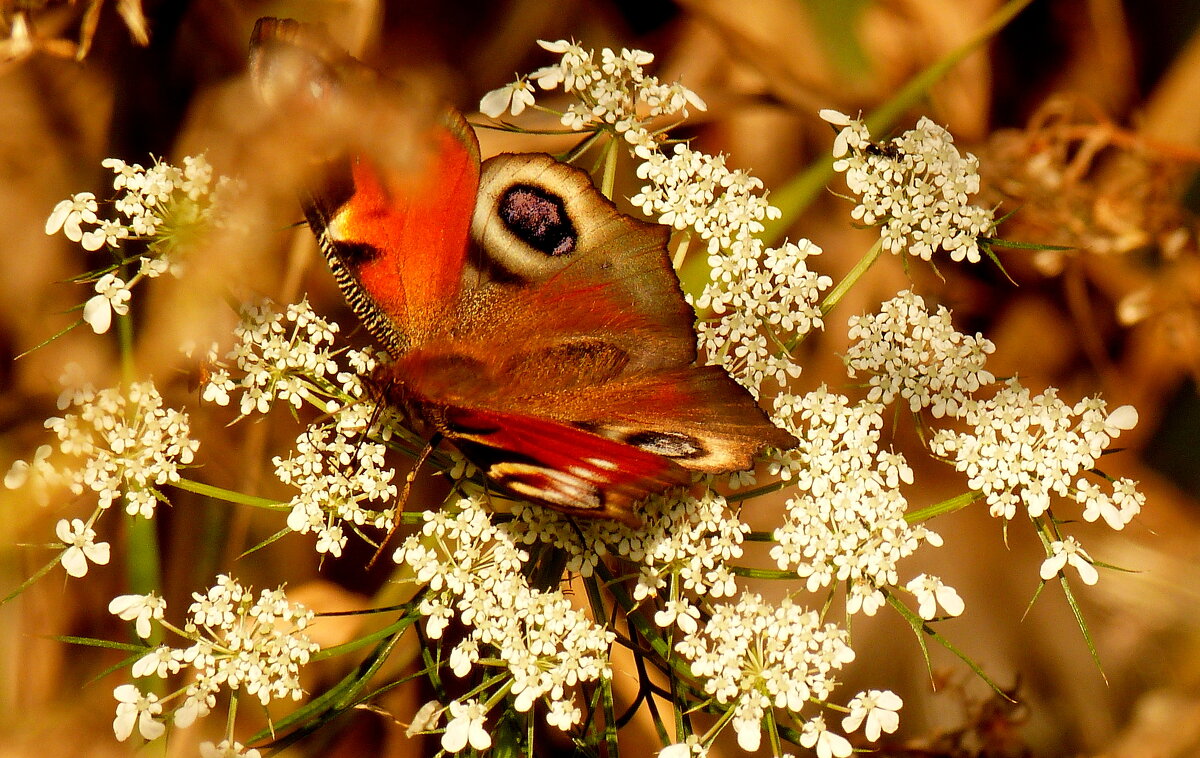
<point>949,505</point>
<point>921,627</point>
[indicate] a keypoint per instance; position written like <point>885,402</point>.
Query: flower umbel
<point>614,93</point>
<point>472,569</point>
<point>916,187</point>
<point>165,208</point>
<point>1022,448</point>
<point>917,356</point>
<point>755,657</point>
<point>237,642</point>
<point>127,444</point>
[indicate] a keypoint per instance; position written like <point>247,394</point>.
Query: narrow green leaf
<point>949,505</point>
<point>920,627</point>
<point>1083,625</point>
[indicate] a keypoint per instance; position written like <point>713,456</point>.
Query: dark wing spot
<point>538,218</point>
<point>667,444</point>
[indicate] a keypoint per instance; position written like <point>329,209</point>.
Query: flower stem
<point>837,293</point>
<point>229,496</point>
<point>609,182</point>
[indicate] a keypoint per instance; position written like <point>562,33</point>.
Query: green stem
<point>142,567</point>
<point>837,293</point>
<point>609,181</point>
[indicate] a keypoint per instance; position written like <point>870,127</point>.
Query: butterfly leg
<point>402,498</point>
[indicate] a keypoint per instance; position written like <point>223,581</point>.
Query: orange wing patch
<point>414,225</point>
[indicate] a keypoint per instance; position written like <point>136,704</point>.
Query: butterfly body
<point>532,324</point>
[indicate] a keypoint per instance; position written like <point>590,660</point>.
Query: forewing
<point>392,198</point>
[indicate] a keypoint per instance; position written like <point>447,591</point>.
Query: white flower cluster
<point>761,301</point>
<point>917,187</point>
<point>846,521</point>
<point>126,445</point>
<point>472,569</point>
<point>338,470</point>
<point>759,658</point>
<point>686,543</point>
<point>164,206</point>
<point>1021,448</point>
<point>615,93</point>
<point>238,643</point>
<point>283,356</point>
<point>918,356</point>
<point>693,190</point>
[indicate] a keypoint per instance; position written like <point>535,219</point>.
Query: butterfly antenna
<point>402,499</point>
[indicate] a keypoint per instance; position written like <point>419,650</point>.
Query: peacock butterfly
<point>533,325</point>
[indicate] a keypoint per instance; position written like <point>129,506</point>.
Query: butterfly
<point>530,323</point>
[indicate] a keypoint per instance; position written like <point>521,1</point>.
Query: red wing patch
<point>564,467</point>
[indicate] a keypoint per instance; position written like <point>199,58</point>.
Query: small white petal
<point>1123,418</point>
<point>97,312</point>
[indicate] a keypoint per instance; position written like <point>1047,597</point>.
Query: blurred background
<point>1085,115</point>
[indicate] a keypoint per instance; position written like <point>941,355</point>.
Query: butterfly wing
<point>581,319</point>
<point>560,465</point>
<point>392,204</point>
<point>532,323</point>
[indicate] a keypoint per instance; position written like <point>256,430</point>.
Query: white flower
<point>425,719</point>
<point>281,355</point>
<point>1123,418</point>
<point>39,472</point>
<point>69,214</point>
<point>514,97</point>
<point>466,726</point>
<point>930,593</point>
<point>257,644</point>
<point>837,118</point>
<point>845,521</point>
<point>127,443</point>
<point>81,547</point>
<point>227,749</point>
<point>825,743</point>
<point>463,657</point>
<point>238,641</point>
<point>107,233</point>
<point>692,747</point>
<point>135,708</point>
<point>755,656</point>
<point>918,357</point>
<point>916,187</point>
<point>563,714</point>
<point>878,709</point>
<point>141,609</point>
<point>1023,448</point>
<point>1069,551</point>
<point>112,297</point>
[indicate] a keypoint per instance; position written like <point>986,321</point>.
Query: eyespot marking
<point>538,218</point>
<point>666,444</point>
